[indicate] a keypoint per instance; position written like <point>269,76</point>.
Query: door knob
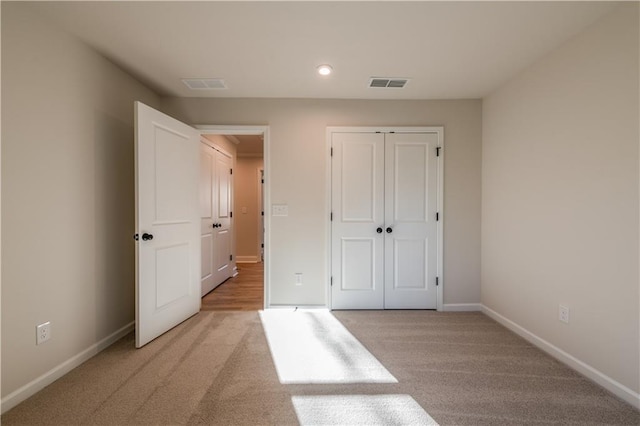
<point>379,230</point>
<point>147,237</point>
<point>389,230</point>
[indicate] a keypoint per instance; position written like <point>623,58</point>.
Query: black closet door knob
<point>389,230</point>
<point>379,230</point>
<point>147,237</point>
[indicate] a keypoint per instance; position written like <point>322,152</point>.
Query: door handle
<point>379,230</point>
<point>389,230</point>
<point>147,237</point>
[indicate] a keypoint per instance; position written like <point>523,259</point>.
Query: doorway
<point>247,289</point>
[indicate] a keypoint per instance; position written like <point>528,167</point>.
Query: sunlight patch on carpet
<point>314,347</point>
<point>360,410</point>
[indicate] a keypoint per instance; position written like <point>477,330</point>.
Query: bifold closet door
<point>410,250</point>
<point>215,208</point>
<point>358,220</point>
<point>384,232</point>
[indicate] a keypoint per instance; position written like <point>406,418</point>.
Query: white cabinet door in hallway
<point>167,223</point>
<point>215,207</point>
<point>385,249</point>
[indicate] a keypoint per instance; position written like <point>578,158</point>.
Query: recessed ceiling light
<point>324,69</point>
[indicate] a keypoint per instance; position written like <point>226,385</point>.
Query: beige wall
<point>67,196</point>
<point>297,176</point>
<point>560,197</point>
<point>247,208</point>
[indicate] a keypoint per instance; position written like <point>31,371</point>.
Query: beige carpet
<point>216,368</point>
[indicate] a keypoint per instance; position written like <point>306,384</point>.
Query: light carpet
<point>216,369</point>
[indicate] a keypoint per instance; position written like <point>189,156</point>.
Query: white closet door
<point>223,267</point>
<point>167,223</point>
<point>410,259</point>
<point>358,211</point>
<point>207,209</point>
<point>215,208</point>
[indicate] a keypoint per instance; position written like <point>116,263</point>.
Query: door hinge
<point>261,245</point>
<point>331,281</point>
<point>438,151</point>
<point>331,216</point>
<point>230,171</point>
<point>230,214</point>
<point>261,180</point>
<point>331,152</point>
<point>262,213</point>
<point>230,257</point>
<point>437,283</point>
<point>437,216</point>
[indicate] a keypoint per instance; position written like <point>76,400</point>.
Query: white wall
<point>560,198</point>
<point>67,196</point>
<point>297,176</point>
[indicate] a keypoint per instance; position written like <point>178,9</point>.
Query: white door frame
<point>439,130</point>
<point>207,129</point>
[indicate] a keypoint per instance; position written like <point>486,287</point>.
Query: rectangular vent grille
<point>387,82</point>
<point>204,83</point>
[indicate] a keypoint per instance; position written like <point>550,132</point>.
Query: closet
<point>386,219</point>
<point>216,172</point>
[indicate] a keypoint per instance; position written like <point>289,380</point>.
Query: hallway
<point>244,292</point>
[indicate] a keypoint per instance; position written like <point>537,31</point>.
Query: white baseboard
<point>297,307</point>
<point>581,367</point>
<point>247,259</point>
<point>462,307</point>
<point>55,373</point>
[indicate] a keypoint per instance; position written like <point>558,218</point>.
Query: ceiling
<point>448,50</point>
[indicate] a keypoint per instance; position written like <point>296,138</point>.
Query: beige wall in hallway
<point>248,209</point>
<point>560,203</point>
<point>297,175</point>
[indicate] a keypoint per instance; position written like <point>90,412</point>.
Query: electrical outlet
<point>298,278</point>
<point>564,314</point>
<point>43,332</point>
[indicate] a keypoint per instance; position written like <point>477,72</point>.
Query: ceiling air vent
<point>204,83</point>
<point>387,82</point>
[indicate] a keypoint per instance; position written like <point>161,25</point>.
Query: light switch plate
<point>280,210</point>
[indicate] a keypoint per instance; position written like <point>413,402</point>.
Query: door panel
<point>222,235</point>
<point>358,264</point>
<point>206,277</point>
<point>408,263</point>
<point>358,189</point>
<point>207,178</point>
<point>357,200</point>
<point>410,249</point>
<point>206,182</point>
<point>168,264</point>
<point>223,183</point>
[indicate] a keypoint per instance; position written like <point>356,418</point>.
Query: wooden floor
<point>244,292</point>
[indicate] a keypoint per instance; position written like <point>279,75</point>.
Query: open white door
<point>167,223</point>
